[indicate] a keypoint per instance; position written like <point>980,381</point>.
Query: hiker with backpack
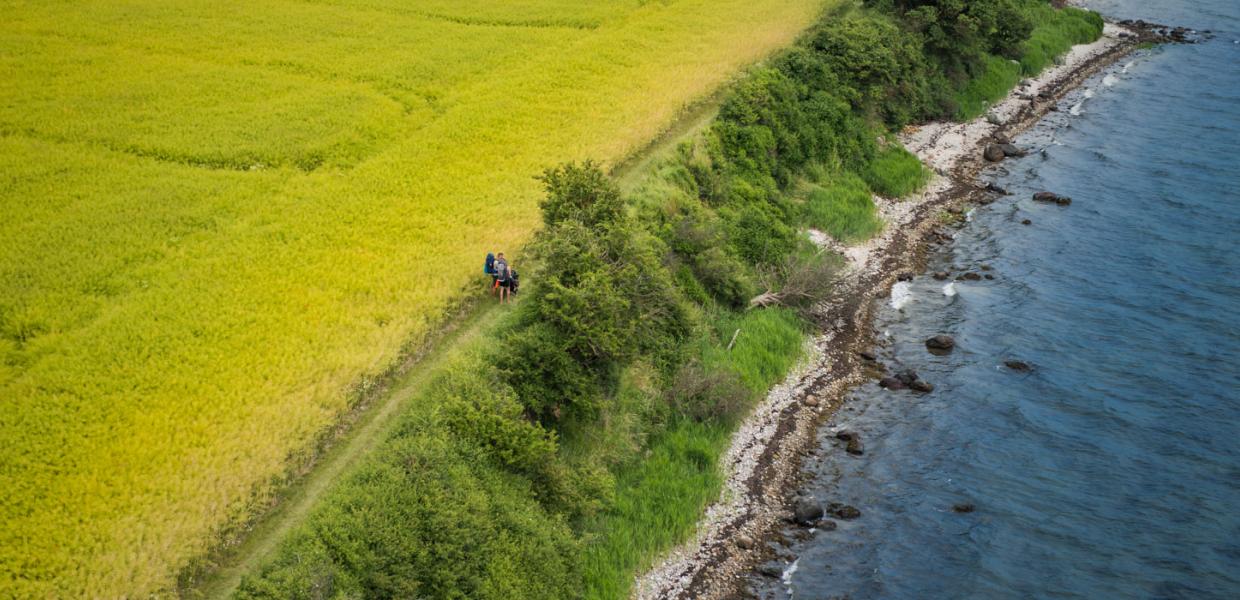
<point>488,267</point>
<point>503,278</point>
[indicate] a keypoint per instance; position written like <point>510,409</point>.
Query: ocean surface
<point>1112,468</point>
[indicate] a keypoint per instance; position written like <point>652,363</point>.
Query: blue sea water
<point>1112,469</point>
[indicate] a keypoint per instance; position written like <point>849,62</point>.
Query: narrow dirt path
<point>366,434</point>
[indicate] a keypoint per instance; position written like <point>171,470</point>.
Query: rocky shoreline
<point>763,463</point>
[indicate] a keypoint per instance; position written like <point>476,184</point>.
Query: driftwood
<point>800,282</point>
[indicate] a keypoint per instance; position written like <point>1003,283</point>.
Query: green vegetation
<point>843,209</point>
<point>181,289</point>
<point>895,173</point>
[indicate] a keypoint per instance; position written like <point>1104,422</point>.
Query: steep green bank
<point>581,438</point>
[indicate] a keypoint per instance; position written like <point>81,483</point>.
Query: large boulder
<point>1012,150</point>
<point>807,512</point>
<point>993,153</point>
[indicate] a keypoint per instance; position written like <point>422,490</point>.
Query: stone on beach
<point>993,153</point>
<point>807,512</point>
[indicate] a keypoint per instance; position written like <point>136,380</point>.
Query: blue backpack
<point>489,267</point>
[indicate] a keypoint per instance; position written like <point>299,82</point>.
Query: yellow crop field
<point>218,217</point>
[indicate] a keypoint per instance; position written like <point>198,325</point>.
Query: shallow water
<point>1112,469</point>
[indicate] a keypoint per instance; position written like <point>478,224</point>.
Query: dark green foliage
<point>602,298</point>
<point>441,512</point>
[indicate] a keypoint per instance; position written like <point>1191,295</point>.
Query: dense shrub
<point>602,298</point>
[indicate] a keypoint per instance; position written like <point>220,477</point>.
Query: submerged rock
<point>1026,222</point>
<point>941,342</point>
<point>845,435</point>
<point>907,376</point>
<point>843,511</point>
<point>941,275</point>
<point>855,447</point>
<point>970,277</point>
<point>963,507</point>
<point>891,383</point>
<point>1052,197</point>
<point>1017,365</point>
<point>921,385</point>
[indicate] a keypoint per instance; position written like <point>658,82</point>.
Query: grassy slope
<point>174,327</point>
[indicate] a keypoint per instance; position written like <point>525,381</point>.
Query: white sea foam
<point>1089,93</point>
<point>787,576</point>
<point>968,217</point>
<point>1076,109</point>
<point>901,295</point>
<point>1109,80</point>
<point>949,290</point>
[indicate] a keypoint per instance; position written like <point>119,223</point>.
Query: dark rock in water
<point>1052,197</point>
<point>963,507</point>
<point>868,355</point>
<point>1053,108</point>
<point>988,276</point>
<point>941,342</point>
<point>843,511</point>
<point>986,268</point>
<point>1026,222</point>
<point>905,276</point>
<point>922,386</point>
<point>807,512</point>
<point>970,277</point>
<point>1001,138</point>
<point>1017,365</point>
<point>846,435</point>
<point>1011,150</point>
<point>941,275</point>
<point>855,447</point>
<point>993,153</point>
<point>991,186</point>
<point>891,383</point>
<point>907,376</point>
<point>828,525</point>
<point>772,571</point>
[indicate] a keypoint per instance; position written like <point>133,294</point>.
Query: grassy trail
<point>363,437</point>
<point>371,428</point>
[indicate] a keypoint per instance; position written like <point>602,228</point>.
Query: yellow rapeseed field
<point>218,217</point>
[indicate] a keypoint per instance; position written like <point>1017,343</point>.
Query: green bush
<point>439,512</point>
<point>844,209</point>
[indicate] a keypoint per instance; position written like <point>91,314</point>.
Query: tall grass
<point>843,208</point>
<point>895,173</point>
<point>660,498</point>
